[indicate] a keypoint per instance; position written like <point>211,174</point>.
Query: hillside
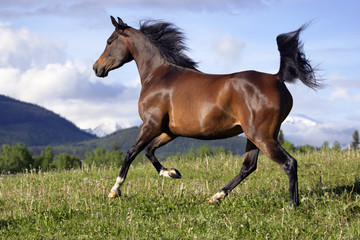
<point>126,137</point>
<point>33,125</point>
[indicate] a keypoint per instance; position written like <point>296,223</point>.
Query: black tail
<point>293,62</point>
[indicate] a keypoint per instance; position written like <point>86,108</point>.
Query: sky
<point>47,49</point>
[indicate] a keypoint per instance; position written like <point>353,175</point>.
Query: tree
<point>115,157</point>
<point>48,158</point>
<point>15,158</point>
<point>204,151</point>
<point>355,142</point>
<point>325,146</point>
<point>100,157</point>
<point>221,151</point>
<point>45,159</point>
<point>289,147</point>
<point>116,146</point>
<point>336,146</point>
<point>307,148</point>
<point>190,154</point>
<point>281,137</point>
<point>67,161</point>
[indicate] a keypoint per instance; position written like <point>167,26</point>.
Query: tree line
<point>336,146</point>
<point>17,158</point>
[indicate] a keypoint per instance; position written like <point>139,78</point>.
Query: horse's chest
<point>153,105</point>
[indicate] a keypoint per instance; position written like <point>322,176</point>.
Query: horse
<point>177,99</point>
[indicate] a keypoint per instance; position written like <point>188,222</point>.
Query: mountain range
<point>32,125</point>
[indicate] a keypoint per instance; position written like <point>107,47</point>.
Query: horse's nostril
<point>99,71</point>
<point>96,70</point>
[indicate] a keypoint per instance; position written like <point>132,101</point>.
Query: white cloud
<point>229,47</point>
<point>88,114</point>
<point>343,88</point>
<point>339,93</point>
<point>69,88</point>
<point>23,49</point>
<point>63,89</point>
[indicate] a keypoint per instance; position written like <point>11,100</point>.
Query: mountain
<point>106,128</point>
<point>124,138</point>
<point>300,130</point>
<point>33,125</point>
<point>302,120</point>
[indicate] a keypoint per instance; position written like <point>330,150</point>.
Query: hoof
<point>114,194</point>
<point>293,205</point>
<point>172,173</point>
<point>218,196</point>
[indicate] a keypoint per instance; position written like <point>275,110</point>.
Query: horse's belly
<point>205,123</point>
<point>206,133</point>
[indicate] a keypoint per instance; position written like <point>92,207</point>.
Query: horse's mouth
<point>100,72</point>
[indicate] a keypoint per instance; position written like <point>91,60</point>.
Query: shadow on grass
<point>350,190</point>
<point>355,188</point>
<point>6,223</point>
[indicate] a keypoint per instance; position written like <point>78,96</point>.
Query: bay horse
<point>176,99</point>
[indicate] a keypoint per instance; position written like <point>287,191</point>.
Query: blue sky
<point>47,49</point>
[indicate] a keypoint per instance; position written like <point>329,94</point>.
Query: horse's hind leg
<point>157,142</point>
<point>249,165</point>
<point>273,150</point>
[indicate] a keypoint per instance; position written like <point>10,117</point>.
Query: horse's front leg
<point>146,135</point>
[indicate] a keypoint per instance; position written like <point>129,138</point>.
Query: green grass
<point>73,204</point>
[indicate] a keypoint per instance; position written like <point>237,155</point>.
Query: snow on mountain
<point>107,128</point>
<point>300,130</point>
<point>301,119</point>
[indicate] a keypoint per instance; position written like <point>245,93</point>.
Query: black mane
<point>169,40</point>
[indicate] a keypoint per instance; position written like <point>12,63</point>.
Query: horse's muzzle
<point>99,71</point>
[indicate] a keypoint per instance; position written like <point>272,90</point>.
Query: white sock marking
<point>117,184</point>
<point>217,196</point>
<point>164,173</point>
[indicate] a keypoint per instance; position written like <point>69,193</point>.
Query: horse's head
<point>116,52</point>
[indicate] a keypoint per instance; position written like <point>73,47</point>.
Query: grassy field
<point>73,204</point>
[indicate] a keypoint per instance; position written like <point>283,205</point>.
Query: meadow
<point>73,204</point>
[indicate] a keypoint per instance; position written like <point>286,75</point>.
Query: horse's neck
<point>145,54</point>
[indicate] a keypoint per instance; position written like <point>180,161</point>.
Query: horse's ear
<point>121,23</point>
<point>113,21</point>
